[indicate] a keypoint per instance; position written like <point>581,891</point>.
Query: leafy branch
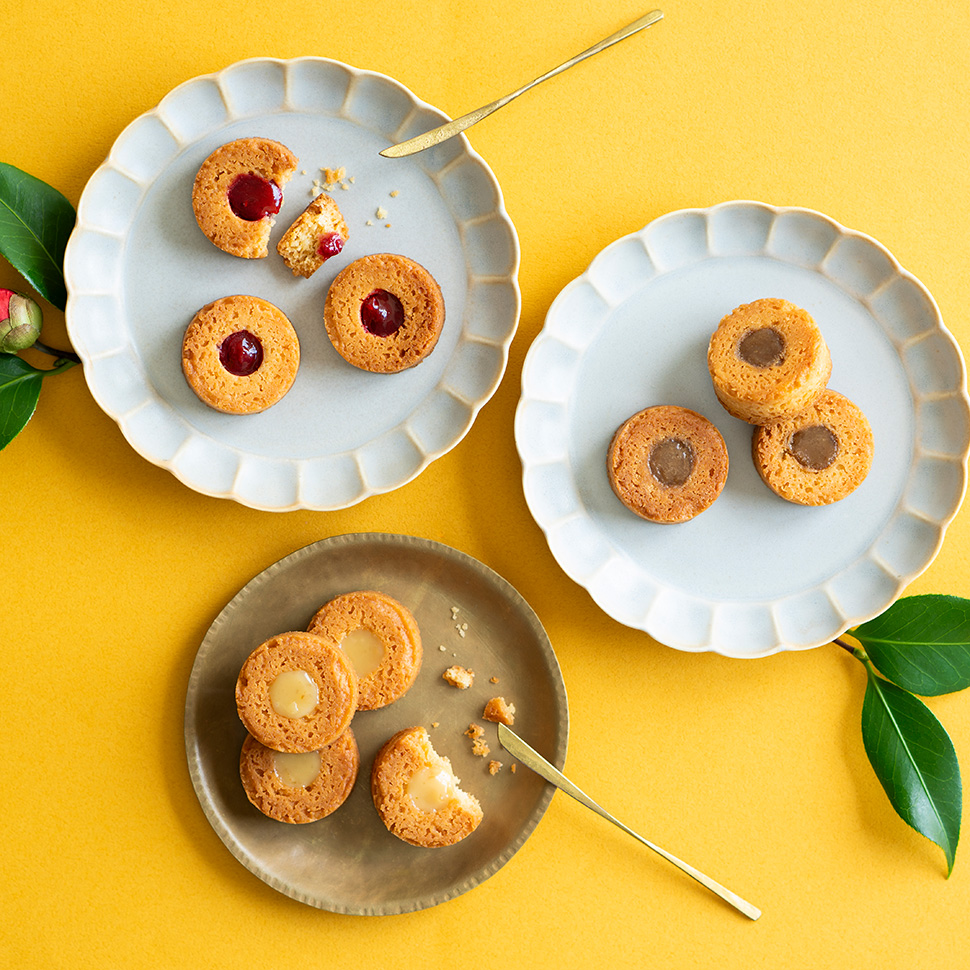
<point>920,645</point>
<point>35,223</point>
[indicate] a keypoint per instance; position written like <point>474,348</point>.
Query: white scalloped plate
<point>753,574</point>
<point>138,268</point>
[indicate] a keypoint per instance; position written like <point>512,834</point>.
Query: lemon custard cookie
<point>380,637</point>
<point>768,361</point>
<point>296,693</point>
<point>299,788</point>
<point>240,354</point>
<point>316,235</point>
<point>818,457</point>
<point>667,463</point>
<point>238,192</point>
<point>384,313</point>
<point>417,795</point>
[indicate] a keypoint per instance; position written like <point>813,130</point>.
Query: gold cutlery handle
<point>452,128</point>
<point>532,759</point>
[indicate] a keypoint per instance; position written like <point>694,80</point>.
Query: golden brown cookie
<point>817,457</point>
<point>238,192</point>
<point>381,638</point>
<point>416,793</point>
<point>384,313</point>
<point>299,788</point>
<point>296,693</point>
<point>667,463</point>
<point>768,361</point>
<point>240,354</point>
<point>316,235</point>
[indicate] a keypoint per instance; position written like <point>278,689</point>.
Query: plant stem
<point>60,354</point>
<point>856,652</point>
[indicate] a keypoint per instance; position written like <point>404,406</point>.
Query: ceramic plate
<point>138,268</point>
<point>348,862</point>
<point>753,574</point>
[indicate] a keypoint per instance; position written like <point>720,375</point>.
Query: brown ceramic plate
<point>348,862</point>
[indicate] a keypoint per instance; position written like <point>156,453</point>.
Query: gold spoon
<point>532,759</point>
<point>452,128</point>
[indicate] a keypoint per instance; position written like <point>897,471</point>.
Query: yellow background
<point>112,570</point>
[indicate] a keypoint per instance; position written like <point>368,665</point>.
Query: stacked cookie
<point>770,367</point>
<point>383,313</point>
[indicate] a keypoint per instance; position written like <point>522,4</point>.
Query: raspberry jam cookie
<point>768,361</point>
<point>384,313</point>
<point>416,793</point>
<point>317,234</point>
<point>380,638</point>
<point>240,354</point>
<point>238,192</point>
<point>299,788</point>
<point>296,693</point>
<point>818,457</point>
<point>667,463</point>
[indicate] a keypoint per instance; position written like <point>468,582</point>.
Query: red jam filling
<point>251,197</point>
<point>330,244</point>
<point>381,313</point>
<point>241,353</point>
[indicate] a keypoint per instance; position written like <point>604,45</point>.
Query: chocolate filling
<point>814,447</point>
<point>671,461</point>
<point>764,347</point>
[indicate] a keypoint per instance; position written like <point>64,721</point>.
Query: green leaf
<point>921,643</point>
<point>19,390</point>
<point>35,223</point>
<point>914,761</point>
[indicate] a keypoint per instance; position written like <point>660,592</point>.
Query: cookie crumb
<point>480,749</point>
<point>512,769</point>
<point>442,648</point>
<point>369,222</point>
<point>499,711</point>
<point>474,731</point>
<point>459,677</point>
<point>381,212</point>
<point>434,724</point>
<point>494,767</point>
<point>493,680</point>
<point>395,193</point>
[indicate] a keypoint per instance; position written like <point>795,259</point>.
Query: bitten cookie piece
<point>768,361</point>
<point>240,354</point>
<point>818,457</point>
<point>299,788</point>
<point>238,191</point>
<point>296,693</point>
<point>380,637</point>
<point>384,313</point>
<point>317,234</point>
<point>416,793</point>
<point>667,463</point>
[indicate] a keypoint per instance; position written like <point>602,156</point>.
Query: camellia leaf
<point>35,223</point>
<point>921,643</point>
<point>914,760</point>
<point>19,390</point>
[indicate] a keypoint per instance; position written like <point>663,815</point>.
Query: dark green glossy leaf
<point>914,761</point>
<point>921,643</point>
<point>35,223</point>
<point>19,390</point>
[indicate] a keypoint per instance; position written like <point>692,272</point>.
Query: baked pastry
<point>299,788</point>
<point>379,636</point>
<point>667,463</point>
<point>768,361</point>
<point>817,457</point>
<point>296,693</point>
<point>384,313</point>
<point>416,793</point>
<point>240,354</point>
<point>238,191</point>
<point>316,235</point>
